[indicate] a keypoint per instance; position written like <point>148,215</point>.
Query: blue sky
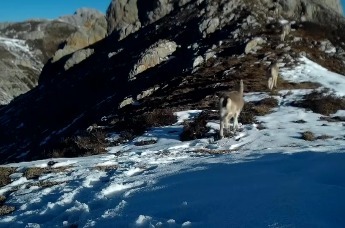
<point>19,10</point>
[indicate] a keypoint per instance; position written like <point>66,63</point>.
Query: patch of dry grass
<point>195,129</point>
<point>5,173</point>
<point>259,108</point>
<point>286,85</point>
<point>5,210</point>
<point>321,103</point>
<point>209,151</point>
<point>308,136</point>
<point>248,114</point>
<point>89,143</point>
<point>106,168</point>
<point>36,172</point>
<point>2,199</point>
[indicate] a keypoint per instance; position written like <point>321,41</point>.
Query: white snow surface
<point>268,178</point>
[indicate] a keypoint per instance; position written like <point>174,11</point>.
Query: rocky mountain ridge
<point>176,62</point>
<point>27,46</point>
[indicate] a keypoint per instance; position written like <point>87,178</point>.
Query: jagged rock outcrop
<point>82,88</point>
<point>78,57</point>
<point>92,27</point>
<point>320,11</point>
<point>128,16</point>
<point>153,56</point>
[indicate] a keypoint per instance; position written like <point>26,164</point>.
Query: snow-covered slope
<point>16,56</point>
<point>266,178</point>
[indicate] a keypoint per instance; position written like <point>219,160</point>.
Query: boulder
<point>252,45</point>
<point>78,57</point>
<point>154,55</point>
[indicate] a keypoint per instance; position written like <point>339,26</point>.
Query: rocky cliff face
<point>126,17</point>
<point>27,46</point>
<point>179,55</point>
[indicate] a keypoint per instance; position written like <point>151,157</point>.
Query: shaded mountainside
<point>26,46</point>
<point>179,61</point>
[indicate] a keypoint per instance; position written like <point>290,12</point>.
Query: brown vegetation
<point>320,103</point>
<point>36,172</point>
<point>5,210</point>
<point>86,144</point>
<point>106,168</point>
<point>195,129</point>
<point>308,136</point>
<point>258,108</point>
<point>5,173</point>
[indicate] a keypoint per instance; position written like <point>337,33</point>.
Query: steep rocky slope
<point>175,59</point>
<point>26,46</point>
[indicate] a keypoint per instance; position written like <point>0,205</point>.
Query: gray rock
<point>197,62</point>
<point>123,18</point>
<point>252,45</point>
<point>92,27</point>
<point>327,47</point>
<point>125,102</point>
<point>209,54</point>
<point>154,55</point>
<point>128,16</point>
<point>78,57</point>
<point>147,92</point>
<point>209,26</point>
